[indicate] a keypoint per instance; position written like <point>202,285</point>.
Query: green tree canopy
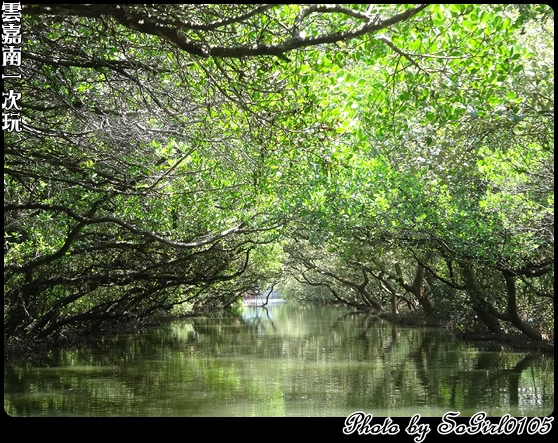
<point>178,157</point>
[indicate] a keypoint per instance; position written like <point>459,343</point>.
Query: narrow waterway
<point>282,360</point>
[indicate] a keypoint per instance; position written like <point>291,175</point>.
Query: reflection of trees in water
<point>426,366</point>
<point>360,362</point>
<point>404,363</point>
<point>261,320</point>
<point>490,377</point>
<point>514,376</point>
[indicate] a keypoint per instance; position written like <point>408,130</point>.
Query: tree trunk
<point>511,291</point>
<point>416,288</point>
<point>479,305</point>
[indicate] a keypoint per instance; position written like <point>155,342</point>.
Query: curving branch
<point>173,30</point>
<point>86,220</point>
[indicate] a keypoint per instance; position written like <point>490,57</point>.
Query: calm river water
<point>284,360</point>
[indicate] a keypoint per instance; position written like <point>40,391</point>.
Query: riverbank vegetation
<point>175,158</point>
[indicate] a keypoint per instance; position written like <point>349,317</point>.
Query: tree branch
<point>173,31</point>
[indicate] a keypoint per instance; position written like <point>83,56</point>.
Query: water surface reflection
<point>285,360</point>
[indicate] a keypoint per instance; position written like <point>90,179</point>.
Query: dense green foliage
<point>178,157</point>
